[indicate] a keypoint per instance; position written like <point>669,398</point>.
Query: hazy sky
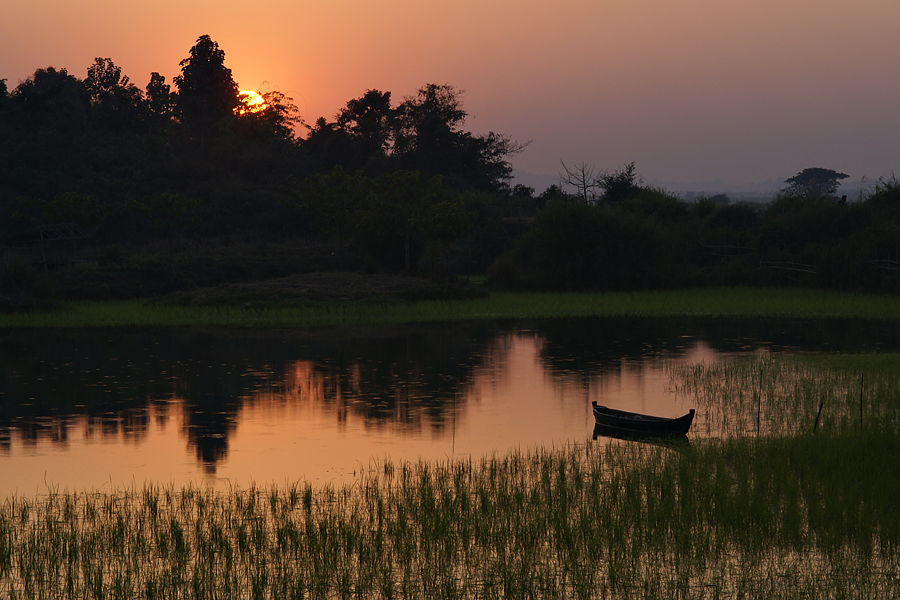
<point>694,90</point>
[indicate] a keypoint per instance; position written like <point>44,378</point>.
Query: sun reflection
<point>251,102</point>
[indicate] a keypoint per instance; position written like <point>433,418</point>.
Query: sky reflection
<point>224,408</point>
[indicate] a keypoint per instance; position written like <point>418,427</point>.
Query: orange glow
<point>251,103</point>
<point>691,91</point>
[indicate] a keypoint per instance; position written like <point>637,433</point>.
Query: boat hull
<point>638,424</point>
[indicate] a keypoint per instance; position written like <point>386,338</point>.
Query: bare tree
<point>581,177</point>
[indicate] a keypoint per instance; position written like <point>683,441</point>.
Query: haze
<point>691,91</point>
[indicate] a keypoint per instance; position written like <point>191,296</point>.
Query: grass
<point>790,394</point>
<point>699,302</point>
<point>799,517</point>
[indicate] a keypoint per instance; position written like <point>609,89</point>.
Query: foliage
<point>368,121</point>
<point>160,100</point>
<point>620,185</point>
<point>114,97</point>
<point>583,247</point>
<point>815,182</point>
<point>207,94</point>
<point>428,138</point>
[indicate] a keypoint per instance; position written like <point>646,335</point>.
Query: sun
<point>251,102</point>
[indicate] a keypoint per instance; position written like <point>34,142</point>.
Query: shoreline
<point>706,302</point>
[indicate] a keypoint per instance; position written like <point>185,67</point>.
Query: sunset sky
<point>692,91</point>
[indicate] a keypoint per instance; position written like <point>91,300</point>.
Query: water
<point>108,408</point>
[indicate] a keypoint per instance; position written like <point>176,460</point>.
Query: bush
<point>574,246</point>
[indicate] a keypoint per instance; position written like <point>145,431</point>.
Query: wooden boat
<point>645,425</point>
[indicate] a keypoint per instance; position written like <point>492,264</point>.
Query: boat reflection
<point>669,441</point>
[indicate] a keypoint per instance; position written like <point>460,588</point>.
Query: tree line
<point>396,187</point>
<point>197,138</point>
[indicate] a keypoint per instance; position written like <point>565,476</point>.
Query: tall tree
<point>368,120</point>
<point>160,100</point>
<point>428,138</point>
<point>207,93</point>
<point>428,125</point>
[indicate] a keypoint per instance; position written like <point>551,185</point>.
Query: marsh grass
<point>781,394</point>
<point>783,517</point>
<point>712,302</point>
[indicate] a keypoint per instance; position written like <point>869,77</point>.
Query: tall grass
<point>809,516</point>
<point>781,394</point>
<point>700,302</point>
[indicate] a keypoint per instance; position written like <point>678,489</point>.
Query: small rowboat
<point>645,425</point>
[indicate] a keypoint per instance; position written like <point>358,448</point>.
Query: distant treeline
<point>392,187</point>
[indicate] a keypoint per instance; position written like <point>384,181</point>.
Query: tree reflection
<point>56,386</point>
<point>118,382</point>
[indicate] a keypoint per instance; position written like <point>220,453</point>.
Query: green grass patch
<point>713,302</point>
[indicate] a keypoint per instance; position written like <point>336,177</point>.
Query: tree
<point>368,120</point>
<point>109,92</point>
<point>581,177</point>
<point>815,182</point>
<point>328,145</point>
<point>51,93</point>
<point>206,91</point>
<point>428,138</point>
<point>276,119</point>
<point>428,124</point>
<point>621,185</point>
<point>160,100</point>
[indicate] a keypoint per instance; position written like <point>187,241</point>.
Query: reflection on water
<point>95,408</point>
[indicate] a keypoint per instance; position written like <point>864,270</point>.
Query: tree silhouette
<point>327,145</point>
<point>160,100</point>
<point>52,94</point>
<point>581,177</point>
<point>276,120</point>
<point>428,138</point>
<point>621,185</point>
<point>427,127</point>
<point>368,120</point>
<point>207,93</point>
<point>815,182</point>
<point>111,93</point>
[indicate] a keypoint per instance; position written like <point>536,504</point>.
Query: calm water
<point>94,409</point>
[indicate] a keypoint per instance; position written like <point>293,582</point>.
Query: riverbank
<point>374,309</point>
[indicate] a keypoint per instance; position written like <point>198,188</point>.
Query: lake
<point>100,409</point>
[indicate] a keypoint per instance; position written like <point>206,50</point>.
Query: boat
<point>644,425</point>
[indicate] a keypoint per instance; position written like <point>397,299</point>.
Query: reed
<point>697,302</point>
<point>779,517</point>
<point>777,394</point>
